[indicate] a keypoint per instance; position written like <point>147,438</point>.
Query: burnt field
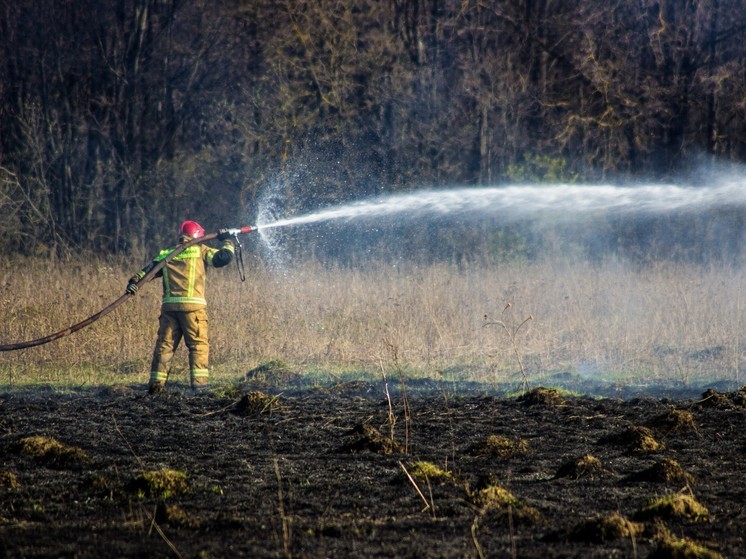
<point>344,471</point>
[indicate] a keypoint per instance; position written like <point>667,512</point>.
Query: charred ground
<point>342,471</point>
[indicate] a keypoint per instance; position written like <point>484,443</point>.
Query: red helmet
<point>192,228</point>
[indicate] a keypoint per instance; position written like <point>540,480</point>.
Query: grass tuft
<point>427,471</point>
<point>162,483</point>
<point>680,506</point>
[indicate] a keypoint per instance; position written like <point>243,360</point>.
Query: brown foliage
<point>120,118</point>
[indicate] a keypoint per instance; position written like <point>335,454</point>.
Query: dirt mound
<point>674,421</point>
<point>714,399</point>
<point>543,397</point>
<point>50,452</point>
<point>499,446</point>
<point>637,439</point>
<point>663,471</point>
<point>681,548</point>
<point>587,466</point>
<point>606,528</point>
<point>366,438</point>
<point>256,403</point>
<point>677,506</point>
<point>163,483</point>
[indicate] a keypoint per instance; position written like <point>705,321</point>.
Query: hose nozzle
<point>242,230</point>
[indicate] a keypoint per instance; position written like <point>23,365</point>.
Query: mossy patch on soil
<point>664,470</point>
<point>606,528</point>
<point>50,452</point>
<point>675,505</point>
<point>587,466</point>
<point>367,438</point>
<point>638,439</point>
<point>500,447</point>
<point>542,396</point>
<point>163,483</point>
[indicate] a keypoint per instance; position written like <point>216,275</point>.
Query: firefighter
<point>184,308</point>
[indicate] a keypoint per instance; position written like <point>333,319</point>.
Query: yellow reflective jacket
<point>184,275</point>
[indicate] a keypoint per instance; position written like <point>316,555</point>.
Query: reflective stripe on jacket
<point>184,275</point>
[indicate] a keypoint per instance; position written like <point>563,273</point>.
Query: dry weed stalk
<point>416,487</point>
<point>512,333</point>
<point>284,519</point>
<point>474,539</point>
<point>154,526</point>
<point>391,419</point>
<point>394,354</point>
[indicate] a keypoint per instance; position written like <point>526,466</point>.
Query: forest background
<point>118,118</point>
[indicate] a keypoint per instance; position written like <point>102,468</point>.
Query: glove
<point>132,288</point>
<point>224,234</point>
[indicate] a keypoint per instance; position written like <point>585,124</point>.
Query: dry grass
<point>672,322</point>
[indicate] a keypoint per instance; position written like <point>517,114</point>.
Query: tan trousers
<point>172,326</point>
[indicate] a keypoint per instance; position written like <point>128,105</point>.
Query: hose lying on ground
<point>106,310</point>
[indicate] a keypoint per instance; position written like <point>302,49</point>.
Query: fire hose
<point>152,272</point>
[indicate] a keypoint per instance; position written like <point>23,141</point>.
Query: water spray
<point>234,232</point>
<point>543,205</point>
<point>520,201</point>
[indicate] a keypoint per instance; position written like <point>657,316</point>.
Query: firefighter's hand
<point>224,234</point>
<point>132,286</point>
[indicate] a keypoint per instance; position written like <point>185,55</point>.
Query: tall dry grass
<point>661,323</point>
